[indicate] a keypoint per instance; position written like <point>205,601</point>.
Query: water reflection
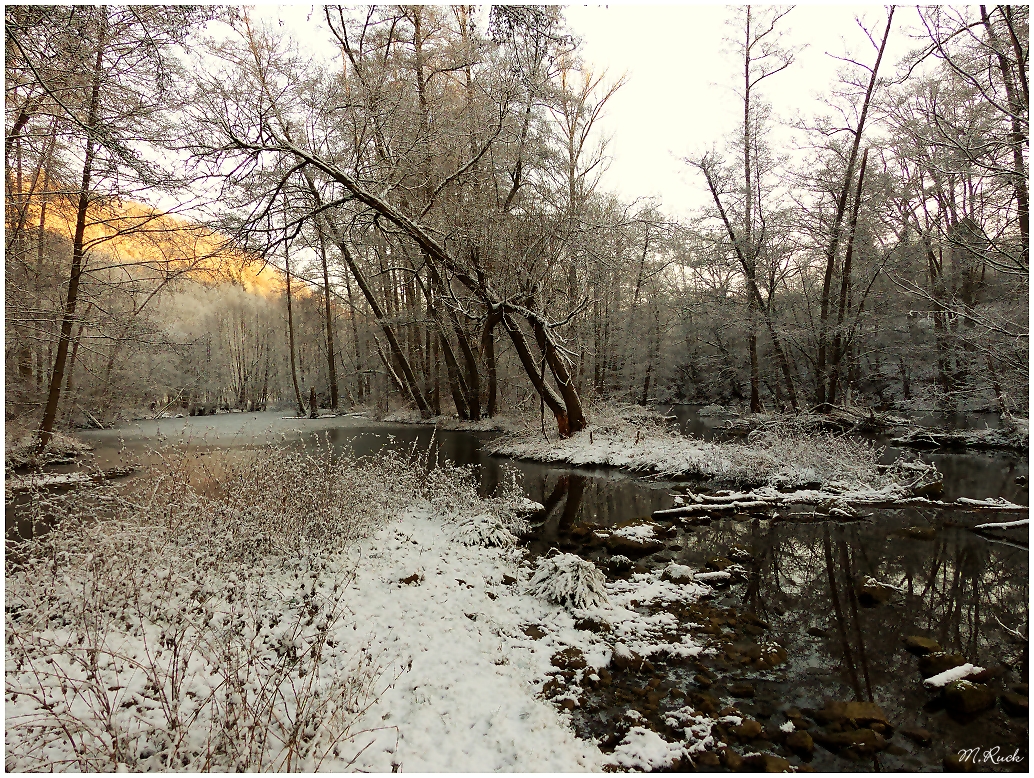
<point>957,588</point>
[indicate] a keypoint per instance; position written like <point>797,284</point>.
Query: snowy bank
<point>297,612</point>
<point>781,456</point>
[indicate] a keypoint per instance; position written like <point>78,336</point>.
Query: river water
<point>956,586</point>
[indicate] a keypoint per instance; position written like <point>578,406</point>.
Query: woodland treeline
<point>422,221</point>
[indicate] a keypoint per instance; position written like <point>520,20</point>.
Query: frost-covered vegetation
<point>186,620</point>
<point>784,455</point>
<point>569,580</point>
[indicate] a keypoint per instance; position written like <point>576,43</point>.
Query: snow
<point>954,674</point>
<point>569,580</point>
<point>467,702</point>
<point>991,502</point>
<point>782,457</point>
<point>717,575</point>
<point>636,532</point>
<point>787,727</point>
<point>643,749</point>
<point>44,480</point>
<point>1003,524</point>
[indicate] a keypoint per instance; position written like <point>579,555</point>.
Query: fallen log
<point>768,499</point>
<point>64,480</point>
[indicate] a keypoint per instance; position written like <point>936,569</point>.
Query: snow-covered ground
<point>783,457</point>
<point>205,630</point>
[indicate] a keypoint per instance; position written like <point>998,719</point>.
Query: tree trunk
<point>822,401</point>
<point>545,391</point>
<point>845,285</point>
<point>290,325</point>
<point>50,412</point>
<point>331,368</point>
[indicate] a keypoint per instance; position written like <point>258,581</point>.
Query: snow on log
<point>767,498</point>
<point>1003,524</point>
<point>941,680</point>
<point>64,480</point>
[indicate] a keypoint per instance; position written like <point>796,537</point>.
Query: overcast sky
<point>679,100</point>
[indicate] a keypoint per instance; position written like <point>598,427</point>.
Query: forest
<point>200,217</point>
<point>504,465</point>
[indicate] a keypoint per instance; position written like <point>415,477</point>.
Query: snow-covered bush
<point>453,494</point>
<point>785,453</point>
<point>484,530</point>
<point>189,619</point>
<point>569,580</point>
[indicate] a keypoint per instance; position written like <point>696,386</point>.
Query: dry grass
<point>187,620</point>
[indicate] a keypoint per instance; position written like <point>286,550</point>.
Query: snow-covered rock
<point>645,750</point>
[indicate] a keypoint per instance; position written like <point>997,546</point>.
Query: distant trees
<point>429,214</point>
<point>88,88</point>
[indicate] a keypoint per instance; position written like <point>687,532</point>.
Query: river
<point>956,587</point>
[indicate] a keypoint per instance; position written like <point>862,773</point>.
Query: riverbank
<point>296,611</point>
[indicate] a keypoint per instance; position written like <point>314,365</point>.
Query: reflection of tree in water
<point>958,588</point>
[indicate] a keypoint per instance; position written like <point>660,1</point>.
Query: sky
<point>679,99</point>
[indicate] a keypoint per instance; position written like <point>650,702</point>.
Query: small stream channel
<point>799,591</point>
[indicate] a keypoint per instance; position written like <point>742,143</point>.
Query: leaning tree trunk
<point>822,401</point>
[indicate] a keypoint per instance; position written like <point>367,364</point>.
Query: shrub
<point>569,580</point>
<point>186,620</point>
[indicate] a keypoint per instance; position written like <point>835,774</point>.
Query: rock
<point>705,702</point>
<point>568,659</point>
<point>633,540</point>
<point>718,563</point>
<point>773,655</point>
<point>748,730</point>
<point>863,741</point>
<point>569,704</point>
<point>679,574</point>
<point>854,714</point>
<point>619,564</point>
<point>740,554</point>
<point>766,763</point>
<point>966,697</point>
<point>918,735</point>
<point>801,743</point>
<point>938,662</point>
<point>921,646</point>
<point>626,659</point>
<point>703,681</point>
<point>1020,688</point>
<point>554,686</point>
<point>707,759</point>
<point>817,632</point>
<point>742,690</point>
<point>535,632</point>
<point>872,593</point>
<point>509,580</point>
<point>1014,704</point>
<point>590,624</point>
<point>795,716</point>
<point>412,579</point>
<point>730,759</point>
